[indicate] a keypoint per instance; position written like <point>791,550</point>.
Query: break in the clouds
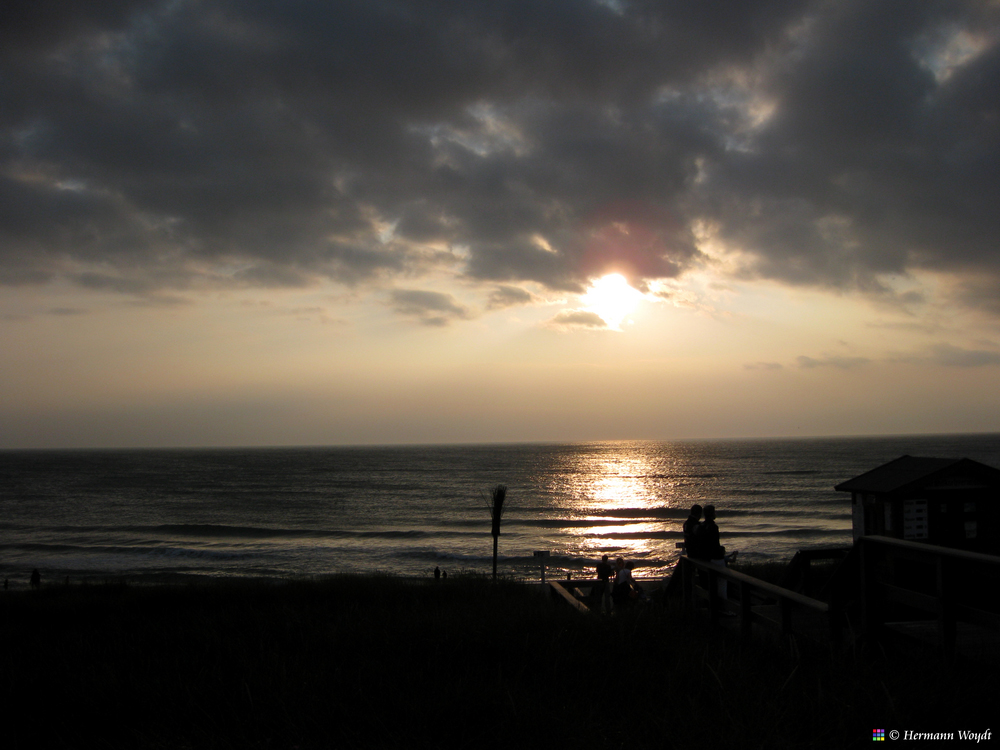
<point>152,145</point>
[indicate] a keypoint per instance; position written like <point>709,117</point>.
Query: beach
<point>382,662</point>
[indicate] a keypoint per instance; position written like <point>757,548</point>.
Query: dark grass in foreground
<point>388,663</point>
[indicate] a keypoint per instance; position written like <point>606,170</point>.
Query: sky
<point>280,222</point>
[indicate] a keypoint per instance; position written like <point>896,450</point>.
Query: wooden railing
<point>801,575</point>
<point>900,582</point>
<point>756,600</point>
<point>903,580</point>
<point>560,590</point>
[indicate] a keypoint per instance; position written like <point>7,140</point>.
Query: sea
<point>291,513</point>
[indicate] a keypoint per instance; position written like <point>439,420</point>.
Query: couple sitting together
<point>701,538</point>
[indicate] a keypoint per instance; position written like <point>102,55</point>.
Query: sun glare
<point>612,299</point>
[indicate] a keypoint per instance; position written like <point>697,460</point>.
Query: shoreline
<point>768,570</point>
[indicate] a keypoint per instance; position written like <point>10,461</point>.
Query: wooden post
<point>541,555</point>
<point>869,613</point>
<point>746,614</point>
<point>946,614</point>
<point>833,622</point>
<point>713,595</point>
<point>687,581</point>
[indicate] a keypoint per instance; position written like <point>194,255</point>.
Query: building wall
<point>960,518</point>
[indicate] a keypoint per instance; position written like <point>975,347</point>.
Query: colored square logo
<point>878,735</point>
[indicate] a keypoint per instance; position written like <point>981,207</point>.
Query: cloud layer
<point>149,145</point>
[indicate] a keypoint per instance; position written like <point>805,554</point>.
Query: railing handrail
<point>879,587</point>
<point>756,583</point>
<point>931,550</point>
<point>568,597</point>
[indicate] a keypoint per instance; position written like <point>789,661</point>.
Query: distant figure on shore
<point>444,575</point>
<point>437,573</point>
<point>637,592</point>
<point>36,579</point>
<point>603,587</point>
<point>625,590</point>
<point>690,529</point>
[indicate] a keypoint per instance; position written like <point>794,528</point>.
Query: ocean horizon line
<point>500,443</point>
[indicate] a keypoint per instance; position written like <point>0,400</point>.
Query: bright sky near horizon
<point>281,222</point>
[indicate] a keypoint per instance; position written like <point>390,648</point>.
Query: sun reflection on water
<point>628,492</point>
<point>621,490</point>
<point>621,478</point>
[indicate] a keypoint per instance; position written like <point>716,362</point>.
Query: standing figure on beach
<point>36,579</point>
<point>437,573</point>
<point>690,529</point>
<point>624,588</point>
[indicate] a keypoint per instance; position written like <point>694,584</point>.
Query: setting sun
<point>612,299</point>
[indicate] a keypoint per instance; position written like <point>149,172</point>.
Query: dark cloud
<point>175,145</point>
<point>954,356</point>
<point>430,308</point>
<point>510,296</point>
<point>578,319</point>
<point>842,363</point>
<point>67,311</point>
<point>878,158</point>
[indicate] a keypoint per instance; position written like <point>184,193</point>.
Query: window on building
<point>914,519</point>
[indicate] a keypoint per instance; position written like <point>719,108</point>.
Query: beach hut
<point>951,502</point>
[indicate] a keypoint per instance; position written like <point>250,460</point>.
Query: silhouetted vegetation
<point>498,497</point>
<point>381,662</point>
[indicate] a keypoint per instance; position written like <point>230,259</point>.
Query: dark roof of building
<point>907,471</point>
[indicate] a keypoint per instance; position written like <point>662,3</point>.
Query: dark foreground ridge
<point>359,662</point>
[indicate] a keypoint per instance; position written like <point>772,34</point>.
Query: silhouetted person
<point>709,548</point>
<point>624,589</point>
<point>707,537</point>
<point>690,530</point>
<point>437,573</point>
<point>637,592</point>
<point>36,579</point>
<point>444,575</point>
